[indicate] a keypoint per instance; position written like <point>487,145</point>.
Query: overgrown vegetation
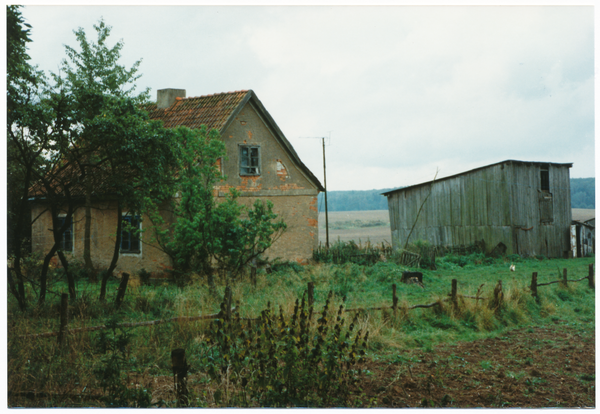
<point>281,361</point>
<point>86,133</point>
<point>281,336</point>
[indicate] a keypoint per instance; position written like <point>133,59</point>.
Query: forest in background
<point>583,195</point>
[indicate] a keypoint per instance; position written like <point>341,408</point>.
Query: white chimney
<point>166,97</point>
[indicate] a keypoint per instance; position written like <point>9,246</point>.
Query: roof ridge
<point>215,94</point>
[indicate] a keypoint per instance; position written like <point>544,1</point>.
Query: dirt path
<point>541,367</point>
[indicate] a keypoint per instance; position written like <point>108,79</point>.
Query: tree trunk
<point>44,274</point>
<point>15,289</point>
<point>115,258</point>
<point>19,289</point>
<point>87,248</point>
<point>70,279</point>
<point>58,233</point>
<point>210,277</point>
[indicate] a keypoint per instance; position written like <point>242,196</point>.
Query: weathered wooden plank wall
<point>498,203</point>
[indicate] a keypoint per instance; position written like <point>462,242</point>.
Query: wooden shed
<point>583,232</point>
<point>526,206</point>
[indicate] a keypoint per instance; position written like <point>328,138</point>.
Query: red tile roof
<point>214,110</point>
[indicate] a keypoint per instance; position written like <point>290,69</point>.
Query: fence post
<point>565,278</point>
<point>534,285</point>
<point>180,369</point>
<point>121,290</point>
<point>394,300</point>
<point>454,293</point>
<point>64,318</point>
<point>591,276</point>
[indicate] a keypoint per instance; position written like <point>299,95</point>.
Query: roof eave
<point>280,136</point>
<point>387,193</point>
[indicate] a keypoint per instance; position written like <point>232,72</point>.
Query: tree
<point>115,147</point>
<point>93,76</point>
<point>26,142</point>
<point>205,235</point>
<point>85,134</point>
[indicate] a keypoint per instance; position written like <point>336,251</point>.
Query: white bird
<point>512,267</point>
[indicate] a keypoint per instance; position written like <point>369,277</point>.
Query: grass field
<point>360,226</point>
<point>536,353</point>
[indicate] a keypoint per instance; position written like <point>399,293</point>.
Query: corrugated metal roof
<point>569,165</point>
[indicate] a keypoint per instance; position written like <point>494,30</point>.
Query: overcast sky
<point>402,91</point>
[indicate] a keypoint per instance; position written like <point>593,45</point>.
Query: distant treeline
<point>583,195</point>
<point>583,192</point>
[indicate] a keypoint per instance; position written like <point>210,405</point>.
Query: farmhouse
<point>260,163</point>
<point>518,207</point>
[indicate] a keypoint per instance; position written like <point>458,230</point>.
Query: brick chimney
<point>166,97</point>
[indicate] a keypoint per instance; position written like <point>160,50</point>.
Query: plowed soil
<point>543,367</point>
<point>534,367</point>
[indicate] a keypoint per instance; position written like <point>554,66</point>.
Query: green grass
<point>33,363</point>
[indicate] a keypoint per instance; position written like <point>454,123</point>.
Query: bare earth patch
<point>540,367</point>
<point>529,368</point>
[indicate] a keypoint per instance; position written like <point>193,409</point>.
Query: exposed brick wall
<point>104,224</point>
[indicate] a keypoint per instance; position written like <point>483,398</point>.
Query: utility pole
<point>325,184</point>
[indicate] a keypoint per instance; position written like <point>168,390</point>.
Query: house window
<point>130,234</point>
<point>249,160</point>
<point>66,241</point>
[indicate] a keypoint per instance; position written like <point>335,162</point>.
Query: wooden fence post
<point>311,293</point>
<point>565,278</point>
<point>64,318</point>
<point>533,288</point>
<point>121,290</point>
<point>394,300</point>
<point>454,293</point>
<point>591,276</point>
<point>180,369</point>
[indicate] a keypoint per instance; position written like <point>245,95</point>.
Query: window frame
<point>131,238</point>
<point>545,179</point>
<point>248,158</point>
<point>63,246</point>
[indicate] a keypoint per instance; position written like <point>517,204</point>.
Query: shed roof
<point>217,111</point>
<point>568,165</point>
<point>583,214</point>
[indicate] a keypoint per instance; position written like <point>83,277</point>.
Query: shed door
<point>546,208</point>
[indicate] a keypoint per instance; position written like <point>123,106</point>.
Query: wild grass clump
<point>284,361</point>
